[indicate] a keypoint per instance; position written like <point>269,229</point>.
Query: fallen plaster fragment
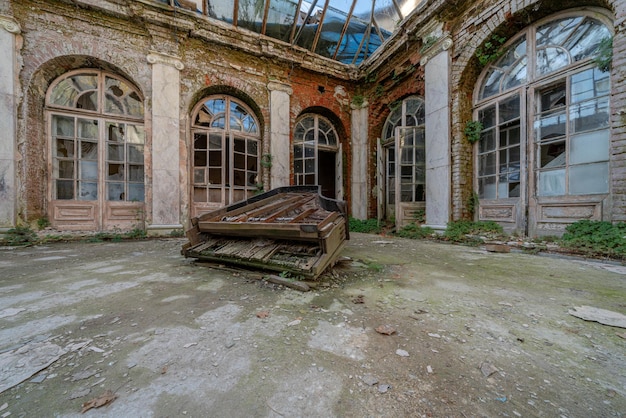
<point>589,313</point>
<point>20,364</point>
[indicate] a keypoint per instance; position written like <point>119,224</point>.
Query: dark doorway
<point>326,173</point>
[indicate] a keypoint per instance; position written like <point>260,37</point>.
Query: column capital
<point>278,86</point>
<point>10,25</point>
<point>161,58</point>
<point>442,44</point>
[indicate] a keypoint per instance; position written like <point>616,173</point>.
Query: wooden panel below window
<point>73,215</point>
<point>498,213</point>
<point>569,213</point>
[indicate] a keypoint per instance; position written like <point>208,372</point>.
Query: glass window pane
<point>121,99</point>
<point>87,190</point>
<point>309,166</point>
<point>297,151</point>
<point>115,152</point>
<point>487,117</point>
<point>88,170</point>
<point>88,128</point>
<point>551,59</point>
<point>199,176</point>
<point>552,125</point>
<point>115,191</point>
<point>516,75</point>
<point>239,161</point>
<point>63,126</point>
<point>66,92</point>
<point>589,178</point>
<point>309,151</point>
<point>115,132</point>
<point>592,114</point>
<point>551,183</point>
<point>66,170</point>
<point>88,150</point>
<point>589,84</point>
<point>240,145</point>
<point>253,147</point>
<point>556,32</point>
<point>487,164</point>
<point>115,172</point>
<point>487,188</point>
<point>64,148</point>
<point>199,194</point>
<point>552,155</point>
<point>136,192</point>
<point>200,141</point>
<point>135,173</point>
<point>135,153</point>
<point>589,147</point>
<point>200,158</point>
<point>509,109</point>
<point>239,177</point>
<point>487,141</point>
<point>215,176</point>
<point>585,41</point>
<point>65,189</point>
<point>491,83</point>
<point>135,134</point>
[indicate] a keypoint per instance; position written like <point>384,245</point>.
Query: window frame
<point>101,160</point>
<point>226,192</point>
<point>528,91</point>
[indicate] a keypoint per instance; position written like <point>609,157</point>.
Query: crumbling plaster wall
<point>61,36</point>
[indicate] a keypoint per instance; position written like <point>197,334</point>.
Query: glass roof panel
<point>345,30</point>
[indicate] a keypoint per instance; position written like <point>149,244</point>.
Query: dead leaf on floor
<point>386,330</point>
<point>102,400</point>
<point>359,299</point>
<point>262,314</point>
<point>164,370</point>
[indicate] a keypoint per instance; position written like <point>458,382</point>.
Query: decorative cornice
<point>278,86</point>
<point>161,58</point>
<point>443,44</point>
<point>10,25</point>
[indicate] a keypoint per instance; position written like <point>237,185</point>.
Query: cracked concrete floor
<point>477,334</point>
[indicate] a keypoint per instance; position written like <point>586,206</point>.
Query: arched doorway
<point>226,153</point>
<point>403,148</point>
<point>96,159</point>
<point>542,160</point>
<point>317,156</point>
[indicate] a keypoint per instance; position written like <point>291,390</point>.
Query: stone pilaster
<point>359,174</point>
<point>166,188</point>
<point>280,146</point>
<point>436,62</point>
<point>9,31</point>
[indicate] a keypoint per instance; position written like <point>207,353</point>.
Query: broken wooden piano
<point>290,229</point>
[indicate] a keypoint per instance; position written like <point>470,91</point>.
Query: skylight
<point>348,31</point>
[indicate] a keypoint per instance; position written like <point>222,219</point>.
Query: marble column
<point>9,31</point>
<point>280,146</point>
<point>359,176</point>
<point>436,62</point>
<point>166,188</point>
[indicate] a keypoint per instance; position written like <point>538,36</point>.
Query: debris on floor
<point>603,316</point>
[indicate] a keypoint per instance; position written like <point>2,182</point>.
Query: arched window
<point>313,135</point>
<point>544,110</point>
<point>97,138</point>
<point>404,144</point>
<point>226,150</point>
